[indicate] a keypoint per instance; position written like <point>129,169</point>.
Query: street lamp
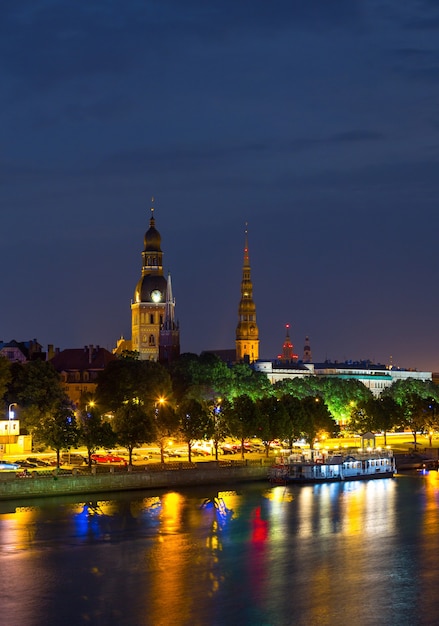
<point>11,416</point>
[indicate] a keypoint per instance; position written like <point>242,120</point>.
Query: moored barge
<point>318,468</point>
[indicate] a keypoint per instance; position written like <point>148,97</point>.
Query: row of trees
<point>140,402</point>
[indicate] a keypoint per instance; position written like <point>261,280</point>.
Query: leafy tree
<point>340,395</point>
<point>133,426</point>
<point>221,428</point>
<point>364,417</point>
<point>131,381</point>
<point>203,377</point>
<point>166,422</point>
<point>317,420</point>
<point>58,429</point>
<point>246,381</point>
<point>432,417</point>
<point>195,422</point>
<point>243,418</point>
<point>401,389</point>
<point>376,415</point>
<point>295,415</point>
<point>298,387</point>
<point>37,388</point>
<point>5,375</point>
<point>414,398</point>
<point>415,414</point>
<point>93,431</point>
<point>274,420</point>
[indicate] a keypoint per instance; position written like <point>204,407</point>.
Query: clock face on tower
<point>156,295</point>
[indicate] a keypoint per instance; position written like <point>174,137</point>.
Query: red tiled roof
<point>87,358</point>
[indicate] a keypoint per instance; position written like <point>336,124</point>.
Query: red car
<point>108,458</point>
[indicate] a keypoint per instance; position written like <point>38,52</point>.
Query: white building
<point>374,377</point>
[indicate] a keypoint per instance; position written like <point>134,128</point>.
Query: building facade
<point>374,377</point>
<point>79,369</point>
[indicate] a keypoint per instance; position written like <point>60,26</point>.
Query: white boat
<point>318,468</point>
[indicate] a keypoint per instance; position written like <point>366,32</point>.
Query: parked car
<point>72,459</point>
<point>8,465</point>
<point>108,458</point>
<point>227,448</point>
<point>22,463</point>
<point>38,462</point>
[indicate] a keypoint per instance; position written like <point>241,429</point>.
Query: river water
<point>359,553</point>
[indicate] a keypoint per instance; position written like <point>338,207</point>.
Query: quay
<point>77,481</point>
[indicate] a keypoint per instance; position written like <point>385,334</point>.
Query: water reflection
<point>362,552</point>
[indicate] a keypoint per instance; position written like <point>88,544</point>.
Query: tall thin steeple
<point>247,333</point>
<point>169,349</point>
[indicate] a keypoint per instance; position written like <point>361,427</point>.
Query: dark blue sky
<point>317,122</point>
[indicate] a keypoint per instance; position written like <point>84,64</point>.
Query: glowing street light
<point>11,414</point>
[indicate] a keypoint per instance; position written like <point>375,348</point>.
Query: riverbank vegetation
<point>203,398</point>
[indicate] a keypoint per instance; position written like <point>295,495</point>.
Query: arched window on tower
<point>151,318</point>
<point>151,340</point>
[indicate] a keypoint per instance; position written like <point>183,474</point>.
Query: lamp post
<point>11,416</point>
<point>160,402</point>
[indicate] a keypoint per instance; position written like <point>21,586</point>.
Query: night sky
<point>317,122</point>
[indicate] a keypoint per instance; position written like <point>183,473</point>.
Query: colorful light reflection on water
<point>360,552</point>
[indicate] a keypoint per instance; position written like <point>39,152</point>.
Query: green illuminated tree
<point>132,381</point>
<point>341,395</point>
<point>294,409</point>
<point>166,424</point>
<point>37,388</point>
<point>274,421</point>
<point>133,426</point>
<point>380,414</point>
<point>93,431</point>
<point>243,418</point>
<point>195,422</point>
<point>203,377</point>
<point>221,429</point>
<point>58,429</point>
<point>247,381</point>
<point>317,420</point>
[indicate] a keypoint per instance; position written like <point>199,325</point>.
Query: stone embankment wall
<point>13,487</point>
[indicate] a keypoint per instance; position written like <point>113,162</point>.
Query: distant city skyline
<point>315,122</point>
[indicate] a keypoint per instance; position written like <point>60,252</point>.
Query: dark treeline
<point>200,397</point>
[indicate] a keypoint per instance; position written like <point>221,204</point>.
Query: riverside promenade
<point>16,486</point>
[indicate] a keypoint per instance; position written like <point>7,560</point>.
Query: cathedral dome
<point>152,239</point>
<point>151,288</point>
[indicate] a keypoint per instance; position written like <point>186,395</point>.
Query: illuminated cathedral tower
<point>247,334</point>
<point>153,303</point>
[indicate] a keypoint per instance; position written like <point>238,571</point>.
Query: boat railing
<point>334,456</point>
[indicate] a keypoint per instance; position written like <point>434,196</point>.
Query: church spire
<point>169,349</point>
<point>247,333</point>
<point>170,306</point>
<point>287,348</point>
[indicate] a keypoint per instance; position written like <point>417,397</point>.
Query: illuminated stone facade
<point>152,310</point>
